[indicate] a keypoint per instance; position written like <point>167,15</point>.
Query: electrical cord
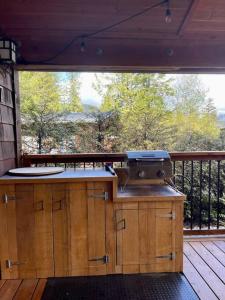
<point>86,36</point>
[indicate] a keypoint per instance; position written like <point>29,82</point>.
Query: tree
<point>41,111</point>
<point>138,99</point>
<point>99,133</point>
<point>70,86</point>
<point>194,115</point>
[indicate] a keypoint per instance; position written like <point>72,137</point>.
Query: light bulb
<point>168,16</point>
<point>82,46</point>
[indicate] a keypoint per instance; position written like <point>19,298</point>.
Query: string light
<point>82,44</point>
<point>168,14</point>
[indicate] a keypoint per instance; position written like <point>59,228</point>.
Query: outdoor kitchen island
<point>79,223</point>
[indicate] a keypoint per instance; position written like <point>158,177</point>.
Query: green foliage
<point>41,111</point>
<point>157,112</point>
<point>138,99</point>
<point>70,92</point>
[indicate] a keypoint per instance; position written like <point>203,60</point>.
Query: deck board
<point>26,289</point>
<point>9,289</point>
<point>204,266</point>
<point>39,289</point>
<point>198,283</point>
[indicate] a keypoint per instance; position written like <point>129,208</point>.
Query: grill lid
<point>154,155</point>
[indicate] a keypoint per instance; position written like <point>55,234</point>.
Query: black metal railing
<point>199,175</point>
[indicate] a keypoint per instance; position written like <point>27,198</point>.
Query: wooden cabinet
<point>146,240</point>
<point>75,228</point>
<point>54,229</point>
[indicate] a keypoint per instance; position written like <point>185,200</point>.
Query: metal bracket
<point>170,256</point>
<point>6,198</point>
<point>9,264</point>
<point>104,259</point>
<point>104,196</point>
<point>39,206</point>
<point>123,221</point>
<point>171,216</point>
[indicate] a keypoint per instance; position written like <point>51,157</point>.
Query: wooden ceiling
<point>193,42</point>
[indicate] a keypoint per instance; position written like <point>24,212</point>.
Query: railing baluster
<point>191,191</point>
<point>183,176</point>
<point>174,172</point>
<point>218,196</point>
<point>200,195</point>
<point>209,194</point>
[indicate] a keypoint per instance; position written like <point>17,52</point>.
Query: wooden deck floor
<point>22,289</point>
<point>204,267</point>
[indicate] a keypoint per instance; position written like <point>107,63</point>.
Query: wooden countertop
<point>149,192</point>
<point>69,175</point>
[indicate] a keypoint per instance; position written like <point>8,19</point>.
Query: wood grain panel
<point>96,227</point>
<point>60,207</point>
<point>78,229</point>
<point>25,225</point>
<point>8,248</point>
<point>43,231</point>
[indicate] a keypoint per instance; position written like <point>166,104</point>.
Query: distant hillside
<point>89,108</point>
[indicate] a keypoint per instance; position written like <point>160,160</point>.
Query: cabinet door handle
<point>58,205</point>
<point>104,196</point>
<point>39,206</point>
<point>123,222</point>
<point>9,264</point>
<point>7,197</point>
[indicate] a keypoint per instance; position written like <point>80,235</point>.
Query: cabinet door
<point>34,231</point>
<point>157,240</point>
<point>127,242</point>
<point>79,224</point>
<point>145,240</point>
<point>8,241</point>
<point>97,197</point>
<point>26,223</point>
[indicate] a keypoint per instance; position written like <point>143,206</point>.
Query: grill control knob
<point>141,174</point>
<point>161,173</point>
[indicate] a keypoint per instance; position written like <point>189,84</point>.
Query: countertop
<point>66,176</point>
<point>149,192</point>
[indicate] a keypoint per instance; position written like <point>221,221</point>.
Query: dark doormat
<point>163,286</point>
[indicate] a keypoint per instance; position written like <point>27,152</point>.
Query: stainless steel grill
<point>154,164</point>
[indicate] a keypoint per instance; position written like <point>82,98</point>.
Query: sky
<point>214,83</point>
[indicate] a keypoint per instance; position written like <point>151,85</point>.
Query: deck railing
<point>200,175</point>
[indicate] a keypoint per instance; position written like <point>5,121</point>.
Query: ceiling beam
<point>187,16</point>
